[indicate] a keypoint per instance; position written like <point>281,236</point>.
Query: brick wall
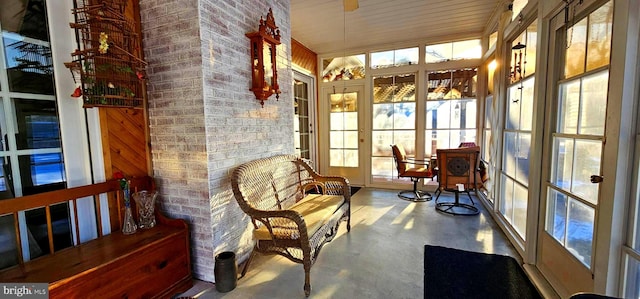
<point>203,119</point>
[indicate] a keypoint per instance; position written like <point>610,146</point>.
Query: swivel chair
<point>419,171</point>
<point>457,172</point>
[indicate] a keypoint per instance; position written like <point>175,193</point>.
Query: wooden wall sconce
<point>264,72</point>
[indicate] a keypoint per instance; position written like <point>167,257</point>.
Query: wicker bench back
<point>273,183</point>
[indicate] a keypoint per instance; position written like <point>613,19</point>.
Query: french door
<point>304,112</point>
<point>575,139</point>
<point>345,133</point>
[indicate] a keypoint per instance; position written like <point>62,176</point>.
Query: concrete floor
<point>382,256</point>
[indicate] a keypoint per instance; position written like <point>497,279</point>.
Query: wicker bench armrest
<point>335,185</point>
<point>282,224</point>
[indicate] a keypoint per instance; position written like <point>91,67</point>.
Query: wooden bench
<point>287,219</point>
<point>153,263</point>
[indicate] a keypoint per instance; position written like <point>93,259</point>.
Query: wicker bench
<point>288,220</point>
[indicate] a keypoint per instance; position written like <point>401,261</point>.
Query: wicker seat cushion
<point>316,210</point>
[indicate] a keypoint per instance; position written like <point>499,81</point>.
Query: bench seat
<point>316,209</point>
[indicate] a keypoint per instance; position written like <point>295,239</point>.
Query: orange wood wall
<point>125,138</point>
<point>124,142</point>
<point>304,57</point>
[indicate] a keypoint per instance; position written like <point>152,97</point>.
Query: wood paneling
<point>303,57</point>
<point>125,140</point>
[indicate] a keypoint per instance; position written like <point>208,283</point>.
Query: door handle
<point>596,179</point>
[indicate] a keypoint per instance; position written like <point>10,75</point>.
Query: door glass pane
<point>632,273</point>
<point>351,119</point>
<point>351,158</point>
<point>562,165</point>
<point>576,45</point>
<point>510,154</point>
<point>556,224</point>
<point>29,64</point>
<point>336,158</point>
<point>381,141</point>
<point>438,84</point>
<point>436,139</point>
<point>301,118</point>
<point>530,52</point>
<point>569,104</point>
<point>336,139</point>
<point>526,116</point>
<point>382,167</point>
<point>522,158</point>
<point>520,202</point>
<point>343,135</point>
<point>41,170</point>
<point>382,93</point>
<point>382,116</point>
<point>336,121</point>
<point>588,155</point>
<point>580,231</point>
<point>600,26</point>
<point>513,108</point>
<point>38,125</point>
<point>488,112</point>
<point>351,139</point>
<point>594,103</point>
<point>390,116</point>
<point>506,202</point>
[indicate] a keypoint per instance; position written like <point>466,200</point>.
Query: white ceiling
<point>319,25</point>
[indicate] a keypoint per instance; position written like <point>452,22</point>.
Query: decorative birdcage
<point>106,66</point>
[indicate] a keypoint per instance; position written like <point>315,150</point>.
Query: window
<point>343,68</point>
<point>450,109</point>
<point>394,122</point>
<point>468,49</point>
<point>30,146</point>
<point>516,149</point>
<point>391,58</point>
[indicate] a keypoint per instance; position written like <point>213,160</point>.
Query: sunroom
<point>547,89</point>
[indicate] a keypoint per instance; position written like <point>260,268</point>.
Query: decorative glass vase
<point>128,225</point>
<point>146,202</point>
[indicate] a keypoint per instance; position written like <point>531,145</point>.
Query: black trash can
<point>226,271</point>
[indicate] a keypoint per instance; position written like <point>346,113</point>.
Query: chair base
<point>416,196</point>
<point>456,208</point>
